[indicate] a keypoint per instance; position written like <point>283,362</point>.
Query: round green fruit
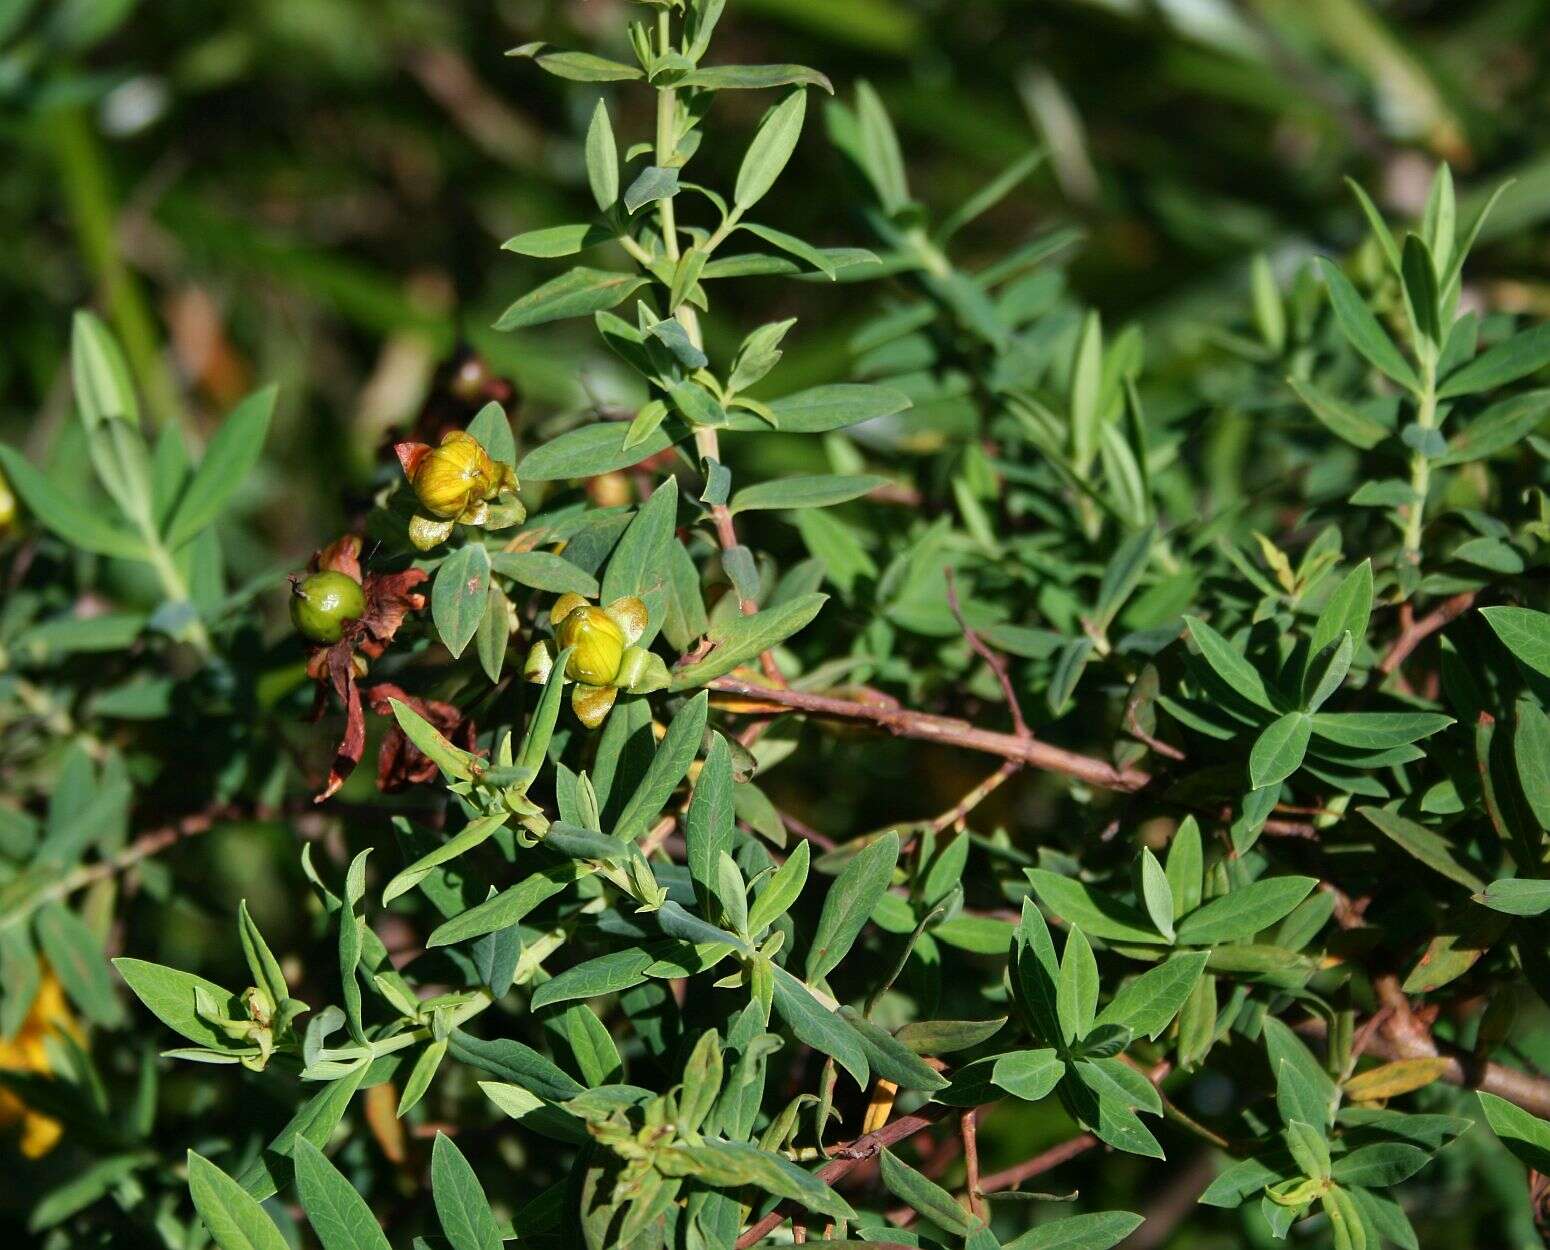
<point>323,602</point>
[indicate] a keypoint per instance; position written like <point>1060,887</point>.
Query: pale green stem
<point>87,191</point>
<point>401,1041</point>
<point>1421,465</point>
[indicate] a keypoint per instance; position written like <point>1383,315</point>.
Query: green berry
<point>323,602</point>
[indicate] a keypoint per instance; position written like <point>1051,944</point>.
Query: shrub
<point>1276,749</point>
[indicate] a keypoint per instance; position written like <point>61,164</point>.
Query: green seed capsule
<point>323,602</point>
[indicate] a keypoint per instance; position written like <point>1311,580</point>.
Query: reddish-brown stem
<point>1415,632</point>
<point>1010,1178</point>
<point>968,1130</point>
<point>997,663</point>
<point>849,1156</point>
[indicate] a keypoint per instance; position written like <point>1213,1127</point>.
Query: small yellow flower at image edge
<point>28,1052</point>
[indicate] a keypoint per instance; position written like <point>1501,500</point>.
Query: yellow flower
<point>27,1052</point>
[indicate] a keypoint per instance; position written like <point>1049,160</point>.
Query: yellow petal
<point>592,704</point>
<point>630,615</point>
<point>564,606</point>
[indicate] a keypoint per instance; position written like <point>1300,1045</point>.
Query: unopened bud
<point>597,645</point>
<point>449,479</point>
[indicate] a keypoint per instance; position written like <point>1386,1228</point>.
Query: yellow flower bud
<point>598,645</point>
<point>451,478</point>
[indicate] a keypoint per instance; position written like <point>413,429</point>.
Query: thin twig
<point>950,731</point>
<point>846,1158</point>
<point>1415,632</point>
<point>997,663</point>
<point>1045,1161</point>
<point>968,1131</point>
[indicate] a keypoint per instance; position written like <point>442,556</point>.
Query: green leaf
<point>668,767</point>
<point>653,183</point>
<point>925,1196</point>
<point>889,1058</point>
<point>943,1037</point>
<point>600,447</point>
<point>71,521</point>
<point>1186,867</point>
<point>1531,753</point>
<point>1279,750</point>
<point>1517,896</point>
<point>816,257</point>
<point>879,151</point>
<point>988,196</point>
<point>78,960</point>
<point>1380,1165</point>
<point>228,460</point>
<point>543,570</point>
<point>461,1206</point>
<point>510,906</point>
<point>1340,418</point>
<point>1378,226</point>
<point>1501,427</point>
<point>755,77</point>
<point>1347,610</point>
<point>454,762</point>
<point>1420,282</point>
<point>602,158</point>
<point>461,596</point>
<point>1228,663</point>
<point>825,408</point>
<point>104,386</point>
<point>818,491</point>
<point>1432,849</point>
<point>335,1209</point>
<point>1523,631</point>
<point>734,1164</point>
<point>592,978</point>
<point>170,995</point>
<point>1076,990</point>
<point>638,562</point>
<point>1378,731</point>
<point>771,149</point>
<point>578,293</point>
<point>1028,1074</point>
<point>516,1063</point>
<point>473,834</point>
<point>1148,1004</point>
<point>781,891</point>
<point>577,66</point>
<point>1102,916</point>
<point>1525,1135</point>
<point>822,1029</point>
<point>1245,911</point>
<point>737,640</point>
<point>234,1219</point>
<point>1101,1230</point>
<point>850,903</point>
<point>1362,330</point>
<point>1524,353</point>
<point>557,241</point>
